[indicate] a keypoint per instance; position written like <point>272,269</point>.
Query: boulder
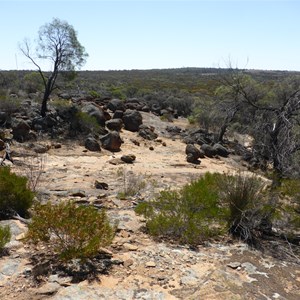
<point>221,150</point>
<point>132,120</point>
<point>20,130</point>
<point>118,114</point>
<point>147,132</point>
<point>193,153</point>
<point>111,141</point>
<point>94,111</point>
<point>114,124</point>
<point>116,104</point>
<point>208,150</point>
<point>92,144</point>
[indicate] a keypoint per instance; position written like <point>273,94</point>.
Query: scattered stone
<point>128,262</point>
<point>234,265</point>
<point>101,185</point>
<point>130,247</point>
<point>150,264</point>
<point>129,158</point>
<point>49,288</point>
<point>77,193</point>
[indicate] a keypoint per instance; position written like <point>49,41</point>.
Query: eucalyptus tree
<point>57,43</point>
<point>271,113</point>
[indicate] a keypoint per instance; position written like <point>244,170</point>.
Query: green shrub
<point>70,231</point>
<point>86,123</point>
<point>15,196</point>
<point>187,216</point>
<point>250,212</point>
<point>5,236</point>
<point>290,191</point>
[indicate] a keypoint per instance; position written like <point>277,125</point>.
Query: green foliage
<point>33,82</point>
<point>5,236</point>
<point>290,190</point>
<point>249,210</point>
<point>86,123</point>
<point>70,231</point>
<point>15,196</point>
<point>187,216</point>
<point>94,94</point>
<point>9,104</point>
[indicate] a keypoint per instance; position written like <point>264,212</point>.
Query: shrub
<point>5,236</point>
<point>290,190</point>
<point>249,211</point>
<point>86,123</point>
<point>70,231</point>
<point>187,216</point>
<point>15,196</point>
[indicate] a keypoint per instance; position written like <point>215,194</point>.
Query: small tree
<point>57,43</point>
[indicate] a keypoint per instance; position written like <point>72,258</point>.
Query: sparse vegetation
<point>15,196</point>
<point>70,231</point>
<point>132,183</point>
<point>5,237</point>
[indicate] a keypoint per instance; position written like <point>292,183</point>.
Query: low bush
<point>70,231</point>
<point>85,123</point>
<point>5,236</point>
<point>188,216</point>
<point>250,212</point>
<point>15,196</point>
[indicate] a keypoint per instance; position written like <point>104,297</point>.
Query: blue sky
<point>162,34</point>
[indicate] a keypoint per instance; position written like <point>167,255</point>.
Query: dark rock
<point>118,114</point>
<point>193,154</point>
<point>111,141</point>
<point>101,185</point>
<point>132,120</point>
<point>114,124</point>
<point>92,144</point>
<point>221,150</point>
<point>2,145</point>
<point>116,104</point>
<point>129,159</point>
<point>147,132</point>
<point>20,130</point>
<point>208,150</point>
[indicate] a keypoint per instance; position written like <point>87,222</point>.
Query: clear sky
<point>118,35</point>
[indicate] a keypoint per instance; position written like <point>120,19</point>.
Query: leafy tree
<point>57,43</point>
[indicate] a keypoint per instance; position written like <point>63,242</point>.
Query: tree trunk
<point>44,105</point>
